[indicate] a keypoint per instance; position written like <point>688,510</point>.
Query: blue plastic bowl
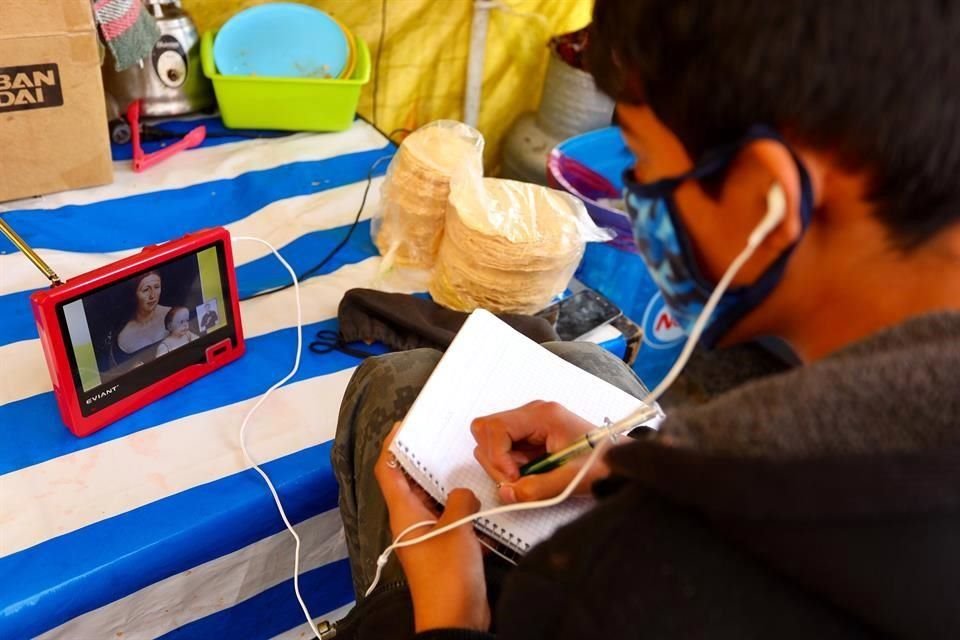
<point>281,40</point>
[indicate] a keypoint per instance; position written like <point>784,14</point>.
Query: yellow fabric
<point>424,62</point>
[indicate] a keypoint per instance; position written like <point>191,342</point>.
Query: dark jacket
<point>819,502</point>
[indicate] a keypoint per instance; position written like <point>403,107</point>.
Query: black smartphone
<point>583,312</point>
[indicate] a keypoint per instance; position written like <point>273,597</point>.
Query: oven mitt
<point>127,29</point>
<point>404,322</point>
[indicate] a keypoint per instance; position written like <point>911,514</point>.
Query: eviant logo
<point>103,394</point>
<point>30,87</point>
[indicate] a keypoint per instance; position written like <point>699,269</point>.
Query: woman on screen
<point>146,325</point>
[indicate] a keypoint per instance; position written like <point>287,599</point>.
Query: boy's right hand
<point>508,440</point>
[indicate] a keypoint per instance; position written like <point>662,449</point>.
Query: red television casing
<point>45,304</point>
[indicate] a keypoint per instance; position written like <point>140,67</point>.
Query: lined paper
<point>490,368</point>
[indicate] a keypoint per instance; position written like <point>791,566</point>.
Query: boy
<point>813,499</point>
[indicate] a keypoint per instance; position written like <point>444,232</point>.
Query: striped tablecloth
<point>153,527</point>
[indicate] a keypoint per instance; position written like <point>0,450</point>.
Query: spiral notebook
<point>489,368</point>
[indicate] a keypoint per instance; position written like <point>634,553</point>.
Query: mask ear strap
<point>718,159</point>
<point>711,163</point>
<point>750,296</point>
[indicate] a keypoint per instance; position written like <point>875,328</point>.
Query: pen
<point>549,462</point>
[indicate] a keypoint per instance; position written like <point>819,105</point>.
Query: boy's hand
<point>508,440</point>
<point>445,574</point>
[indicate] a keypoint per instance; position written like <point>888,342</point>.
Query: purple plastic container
<point>590,166</point>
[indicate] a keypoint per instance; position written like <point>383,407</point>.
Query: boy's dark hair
<point>877,84</point>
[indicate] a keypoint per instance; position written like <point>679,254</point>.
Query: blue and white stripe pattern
<point>152,527</point>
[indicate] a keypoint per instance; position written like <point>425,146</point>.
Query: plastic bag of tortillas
<point>508,246</point>
<point>414,194</point>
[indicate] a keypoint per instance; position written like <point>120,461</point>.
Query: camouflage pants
<point>380,393</point>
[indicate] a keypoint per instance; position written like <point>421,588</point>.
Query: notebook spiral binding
<point>506,541</point>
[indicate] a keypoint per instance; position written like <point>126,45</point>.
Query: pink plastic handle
<point>143,161</point>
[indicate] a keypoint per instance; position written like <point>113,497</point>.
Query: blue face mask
<point>666,248</point>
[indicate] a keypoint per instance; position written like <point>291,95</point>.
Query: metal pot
<point>169,80</point>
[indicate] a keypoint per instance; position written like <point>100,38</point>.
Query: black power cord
<point>320,265</point>
<point>366,190</point>
<point>353,225</point>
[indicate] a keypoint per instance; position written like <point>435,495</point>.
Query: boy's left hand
<point>445,574</point>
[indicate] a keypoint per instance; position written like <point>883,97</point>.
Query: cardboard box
<point>53,122</point>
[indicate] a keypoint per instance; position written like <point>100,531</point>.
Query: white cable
<point>246,420</point>
<point>382,560</point>
<point>398,543</point>
<point>776,210</point>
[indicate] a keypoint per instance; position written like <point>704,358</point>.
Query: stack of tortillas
<point>415,192</point>
<point>508,246</point>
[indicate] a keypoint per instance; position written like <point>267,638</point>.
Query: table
<point>153,527</point>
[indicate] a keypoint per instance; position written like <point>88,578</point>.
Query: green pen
<point>589,441</point>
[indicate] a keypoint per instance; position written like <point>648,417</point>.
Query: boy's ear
<point>759,166</point>
<point>743,203</point>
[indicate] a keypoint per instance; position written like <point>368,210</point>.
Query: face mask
<point>667,250</point>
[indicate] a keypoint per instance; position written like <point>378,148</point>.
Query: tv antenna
<point>28,251</point>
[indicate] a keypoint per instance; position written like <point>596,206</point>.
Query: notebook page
<point>490,368</point>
